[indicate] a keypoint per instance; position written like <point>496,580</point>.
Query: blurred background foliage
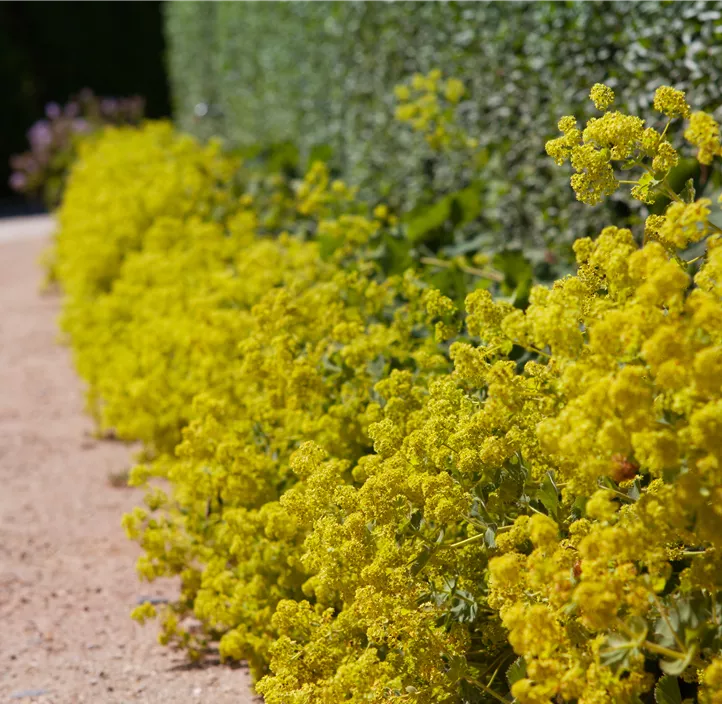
<point>320,76</point>
<point>50,51</point>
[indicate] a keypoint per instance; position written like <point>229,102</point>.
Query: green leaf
<point>689,193</point>
<point>639,627</point>
<point>321,152</point>
<point>328,244</point>
<point>490,537</point>
<point>617,652</point>
<point>464,608</point>
<point>427,220</point>
<point>578,508</point>
<point>518,273</point>
<point>678,666</point>
<point>635,491</point>
<point>426,554</point>
<point>457,668</point>
<point>397,254</point>
<point>510,485</point>
<point>516,671</point>
<point>667,691</point>
<point>685,171</point>
<point>548,494</point>
<point>469,203</point>
<point>421,560</point>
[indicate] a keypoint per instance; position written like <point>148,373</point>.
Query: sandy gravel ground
<point>67,578</point>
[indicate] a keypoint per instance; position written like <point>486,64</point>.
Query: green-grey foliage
<point>321,75</point>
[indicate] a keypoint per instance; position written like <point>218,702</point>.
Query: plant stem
<point>486,689</point>
<point>669,653</point>
<point>665,616</point>
<point>461,543</point>
<point>666,127</point>
<point>670,192</point>
<point>659,649</point>
<point>541,352</point>
<point>496,672</point>
<point>619,494</point>
<point>482,273</point>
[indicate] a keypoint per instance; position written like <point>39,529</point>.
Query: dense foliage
<point>321,75</point>
<point>373,492</point>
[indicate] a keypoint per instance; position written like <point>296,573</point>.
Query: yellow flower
<point>703,132</point>
<point>684,224</point>
<point>454,90</point>
<point>666,157</point>
<point>543,531</point>
<point>402,93</point>
<point>601,506</point>
<point>671,102</point>
<point>381,212</point>
<point>602,96</point>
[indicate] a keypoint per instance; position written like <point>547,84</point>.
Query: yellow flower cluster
<point>622,142</point>
<point>318,195</point>
<point>671,102</point>
<point>602,96</point>
<point>703,132</point>
<point>372,495</point>
<point>428,103</point>
<point>639,397</point>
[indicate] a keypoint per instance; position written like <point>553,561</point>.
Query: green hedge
<point>321,75</point>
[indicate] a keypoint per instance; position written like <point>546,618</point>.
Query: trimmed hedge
<point>321,75</point>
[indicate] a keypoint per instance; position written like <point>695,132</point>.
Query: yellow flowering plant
<point>428,104</point>
<point>205,342</point>
<point>546,533</point>
<point>373,493</point>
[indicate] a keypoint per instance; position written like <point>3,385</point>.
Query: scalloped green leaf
<point>516,671</point>
<point>667,691</point>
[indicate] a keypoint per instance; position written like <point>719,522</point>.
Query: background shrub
<point>321,75</point>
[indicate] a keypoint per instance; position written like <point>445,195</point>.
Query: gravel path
<point>67,577</point>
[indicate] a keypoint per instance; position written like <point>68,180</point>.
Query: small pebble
<point>29,693</point>
<point>154,600</point>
